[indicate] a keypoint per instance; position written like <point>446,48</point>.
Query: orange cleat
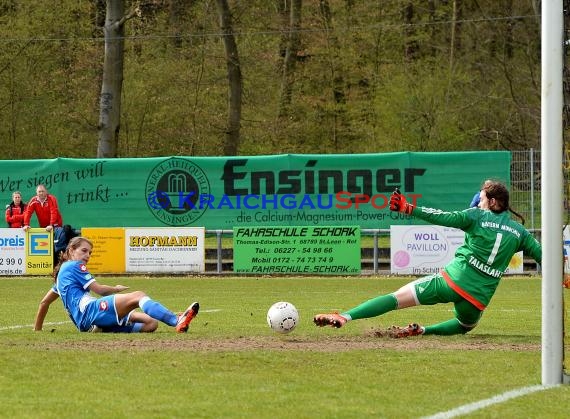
<point>413,329</point>
<point>185,318</point>
<point>332,319</point>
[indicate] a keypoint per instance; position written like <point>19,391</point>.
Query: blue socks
<point>157,311</point>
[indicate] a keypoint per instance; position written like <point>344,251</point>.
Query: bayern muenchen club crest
<point>173,190</point>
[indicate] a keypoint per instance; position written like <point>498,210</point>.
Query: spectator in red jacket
<point>46,209</point>
<point>15,211</point>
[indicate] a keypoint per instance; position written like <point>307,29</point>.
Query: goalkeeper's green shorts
<point>433,289</point>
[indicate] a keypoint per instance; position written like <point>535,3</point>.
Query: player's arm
<point>43,309</point>
<point>456,219</point>
<point>103,290</point>
<point>531,246</point>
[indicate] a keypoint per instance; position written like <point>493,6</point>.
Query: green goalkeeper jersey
<point>491,240</point>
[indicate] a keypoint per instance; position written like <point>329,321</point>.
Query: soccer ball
<point>282,317</point>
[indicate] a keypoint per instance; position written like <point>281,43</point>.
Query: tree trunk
<point>509,34</point>
<point>232,137</point>
<point>410,43</point>
<point>110,98</point>
<point>290,59</point>
<point>455,43</point>
<point>175,9</point>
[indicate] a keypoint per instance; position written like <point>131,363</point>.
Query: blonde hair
<point>73,245</point>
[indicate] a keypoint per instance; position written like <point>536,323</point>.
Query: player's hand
<point>121,288</point>
<point>398,203</point>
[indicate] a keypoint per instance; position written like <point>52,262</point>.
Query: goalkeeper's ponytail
<point>517,214</point>
<point>498,191</point>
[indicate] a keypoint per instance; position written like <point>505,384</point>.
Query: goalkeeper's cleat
<point>332,319</point>
<point>185,318</point>
<point>413,329</point>
<point>95,329</point>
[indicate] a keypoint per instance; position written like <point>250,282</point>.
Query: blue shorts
<point>103,313</point>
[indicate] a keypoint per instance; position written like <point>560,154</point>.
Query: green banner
<point>223,192</point>
<point>328,250</point>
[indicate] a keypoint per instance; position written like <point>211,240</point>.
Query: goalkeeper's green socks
<point>447,328</point>
<point>372,308</point>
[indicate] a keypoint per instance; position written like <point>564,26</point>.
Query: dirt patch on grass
<point>286,343</point>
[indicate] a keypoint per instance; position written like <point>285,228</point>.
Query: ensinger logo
<point>177,191</point>
<point>40,244</point>
<point>172,189</point>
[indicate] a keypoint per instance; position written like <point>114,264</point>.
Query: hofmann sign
<point>225,192</point>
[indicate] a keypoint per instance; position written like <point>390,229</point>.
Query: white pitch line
<point>22,326</point>
<point>472,407</point>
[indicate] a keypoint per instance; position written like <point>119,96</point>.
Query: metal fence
<point>526,186</point>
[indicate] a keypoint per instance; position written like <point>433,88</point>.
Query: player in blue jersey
<point>477,197</point>
<point>469,281</point>
<point>113,311</point>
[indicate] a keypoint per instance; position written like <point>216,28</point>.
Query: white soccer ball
<point>282,317</point>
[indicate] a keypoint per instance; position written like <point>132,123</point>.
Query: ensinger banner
<point>228,192</point>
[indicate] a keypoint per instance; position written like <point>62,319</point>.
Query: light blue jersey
<point>72,285</point>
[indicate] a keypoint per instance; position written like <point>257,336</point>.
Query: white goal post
<point>552,49</point>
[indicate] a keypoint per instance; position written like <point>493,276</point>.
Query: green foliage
<point>369,77</point>
<point>232,365</point>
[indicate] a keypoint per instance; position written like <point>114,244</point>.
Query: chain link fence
<point>526,186</point>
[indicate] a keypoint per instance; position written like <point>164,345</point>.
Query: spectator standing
<point>15,211</point>
<point>44,205</point>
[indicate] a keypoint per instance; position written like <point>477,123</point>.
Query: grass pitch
<point>231,365</point>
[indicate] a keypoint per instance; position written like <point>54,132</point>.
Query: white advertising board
<point>12,251</point>
<point>165,250</point>
<point>426,249</point>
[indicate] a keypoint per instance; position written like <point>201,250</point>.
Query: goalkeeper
<point>469,281</point>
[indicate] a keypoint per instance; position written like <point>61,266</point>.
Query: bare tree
<point>410,42</point>
<point>175,10</point>
<point>232,137</point>
<point>290,59</point>
<point>455,44</point>
<point>112,84</point>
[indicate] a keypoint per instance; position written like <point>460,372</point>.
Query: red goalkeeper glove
<point>399,203</point>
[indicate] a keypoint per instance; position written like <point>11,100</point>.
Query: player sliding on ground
<point>469,280</point>
<point>113,312</point>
